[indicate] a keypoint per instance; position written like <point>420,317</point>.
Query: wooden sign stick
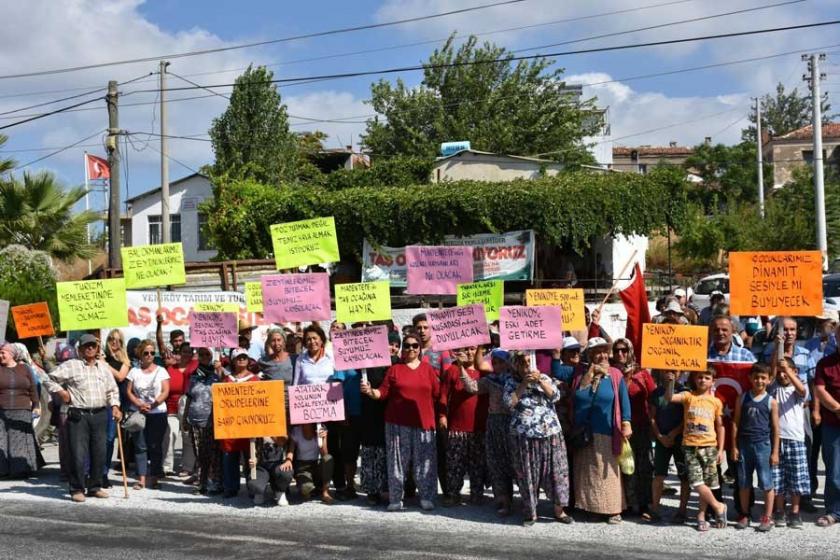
<point>617,280</point>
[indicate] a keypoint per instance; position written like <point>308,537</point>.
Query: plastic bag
<point>625,460</point>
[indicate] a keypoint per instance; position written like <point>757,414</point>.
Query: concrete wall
<point>489,168</point>
<point>788,156</point>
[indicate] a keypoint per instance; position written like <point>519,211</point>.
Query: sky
<point>682,107</point>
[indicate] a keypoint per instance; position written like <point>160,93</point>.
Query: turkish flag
<point>635,301</point>
<point>732,380</point>
<point>97,167</point>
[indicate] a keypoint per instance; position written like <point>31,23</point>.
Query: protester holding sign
<point>18,402</point>
<point>274,469</point>
<point>233,450</point>
<point>199,419</point>
<point>411,390</point>
<point>179,376</point>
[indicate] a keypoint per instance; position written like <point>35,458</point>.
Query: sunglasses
<point>620,350</point>
<point>414,346</point>
<point>148,353</point>
<point>242,357</point>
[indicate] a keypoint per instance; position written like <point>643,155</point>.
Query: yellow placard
<point>249,410</point>
<point>147,266</point>
<point>365,301</point>
<point>570,301</point>
<point>92,304</point>
<point>305,242</point>
<point>489,292</point>
<point>213,307</point>
<point>674,347</point>
<point>776,283</point>
<point>253,297</point>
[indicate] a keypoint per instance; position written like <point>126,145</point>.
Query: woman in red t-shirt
<point>410,390</point>
<point>640,386</point>
<point>233,450</point>
<point>179,377</point>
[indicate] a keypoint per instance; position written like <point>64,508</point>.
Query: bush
<point>26,277</point>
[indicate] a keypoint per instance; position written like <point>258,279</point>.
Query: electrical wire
<point>55,112</point>
<point>60,150</point>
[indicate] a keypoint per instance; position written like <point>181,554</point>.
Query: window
<point>156,228</point>
<point>204,241</point>
<point>643,168</point>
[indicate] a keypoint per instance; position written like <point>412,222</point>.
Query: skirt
<point>597,478</point>
<point>18,451</point>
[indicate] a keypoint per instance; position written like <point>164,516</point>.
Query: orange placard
<point>776,283</point>
<point>674,347</point>
<point>249,410</point>
<point>33,320</point>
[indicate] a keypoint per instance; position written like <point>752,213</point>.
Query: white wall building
<point>186,223</point>
<point>474,165</point>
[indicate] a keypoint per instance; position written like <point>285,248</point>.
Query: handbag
<point>134,421</point>
<point>582,437</point>
<point>625,460</point>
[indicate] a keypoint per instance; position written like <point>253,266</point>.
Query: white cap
<point>674,307</point>
<point>829,315</point>
<point>679,292</point>
<point>595,342</point>
<point>571,343</point>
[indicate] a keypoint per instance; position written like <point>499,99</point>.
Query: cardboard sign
<point>305,242</point>
<point>212,329</point>
<point>319,402</point>
<point>776,283</point>
<point>33,320</point>
<point>437,270</point>
<point>530,328</point>
<point>569,300</point>
<point>361,348</point>
<point>674,347</point>
<point>365,301</point>
<point>4,318</point>
<point>92,304</point>
<point>296,297</point>
<point>249,410</point>
<point>490,293</point>
<point>153,265</point>
<point>458,327</point>
<point>216,307</point>
<point>253,297</point>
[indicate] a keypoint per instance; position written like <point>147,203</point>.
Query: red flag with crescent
<point>97,167</point>
<point>733,379</point>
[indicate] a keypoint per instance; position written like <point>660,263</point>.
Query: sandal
<point>565,519</point>
<point>614,520</point>
<point>826,521</point>
<point>722,518</point>
<point>702,525</point>
<point>137,486</point>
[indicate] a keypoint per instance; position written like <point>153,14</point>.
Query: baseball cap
<point>679,292</point>
<point>595,342</point>
<point>87,339</point>
<point>674,307</point>
<point>238,352</point>
<point>571,343</point>
<point>500,354</point>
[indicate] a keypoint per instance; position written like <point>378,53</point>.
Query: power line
<point>58,151</point>
<point>261,43</point>
<point>55,112</point>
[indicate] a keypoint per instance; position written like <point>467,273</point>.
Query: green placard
<point>305,242</point>
<point>253,297</point>
<point>489,292</point>
<point>148,266</point>
<point>365,301</point>
<point>92,304</point>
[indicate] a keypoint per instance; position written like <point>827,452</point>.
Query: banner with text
<point>437,270</point>
<point>253,297</point>
<point>319,402</point>
<point>458,327</point>
<point>362,302</point>
<point>212,329</point>
<point>147,266</point>
<point>569,300</point>
<point>249,410</point>
<point>530,328</point>
<point>296,297</point>
<point>33,320</point>
<point>361,348</point>
<point>92,304</point>
<point>490,293</point>
<point>776,283</point>
<point>305,242</point>
<point>674,347</point>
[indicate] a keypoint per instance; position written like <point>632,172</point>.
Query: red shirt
<point>639,389</point>
<point>178,381</point>
<point>465,412</point>
<point>411,395</point>
<point>242,444</point>
<point>828,376</point>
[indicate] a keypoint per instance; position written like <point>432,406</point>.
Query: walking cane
<point>122,459</point>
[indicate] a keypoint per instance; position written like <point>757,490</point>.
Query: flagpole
<point>87,208</point>
<point>617,280</point>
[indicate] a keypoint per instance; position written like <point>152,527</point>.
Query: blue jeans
<point>148,445</point>
<point>755,457</point>
<point>831,458</point>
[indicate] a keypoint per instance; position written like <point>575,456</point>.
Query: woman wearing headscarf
<point>640,387</point>
<point>18,402</point>
<point>199,419</point>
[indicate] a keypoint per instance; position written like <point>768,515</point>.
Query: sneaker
<point>283,500</point>
<point>743,522</point>
<point>779,519</point>
<point>765,525</point>
<point>395,507</point>
<point>427,505</point>
<point>78,497</point>
<point>794,521</point>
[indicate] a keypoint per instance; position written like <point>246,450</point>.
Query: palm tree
<point>37,212</point>
<point>6,165</point>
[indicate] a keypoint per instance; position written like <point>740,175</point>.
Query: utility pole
<point>164,159</point>
<point>819,187</point>
<point>113,147</point>
<point>759,157</point>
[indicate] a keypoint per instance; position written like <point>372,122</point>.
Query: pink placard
<point>436,269</point>
<point>296,297</point>
<point>213,329</point>
<point>458,327</point>
<point>318,402</point>
<point>366,347</point>
<point>531,328</point>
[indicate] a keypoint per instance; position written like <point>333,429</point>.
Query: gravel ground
<point>630,539</point>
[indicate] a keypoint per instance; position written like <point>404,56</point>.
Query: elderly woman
<point>277,364</point>
<point>640,388</point>
<point>411,390</point>
<point>601,420</point>
<point>199,419</point>
<point>18,401</point>
<point>537,446</point>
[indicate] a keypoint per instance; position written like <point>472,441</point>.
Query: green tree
<point>6,164</point>
<point>728,173</point>
<point>502,107</point>
<point>785,112</point>
<point>37,213</point>
<point>251,139</point>
<point>26,277</point>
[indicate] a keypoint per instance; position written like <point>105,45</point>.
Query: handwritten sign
<point>365,301</point>
<point>365,347</point>
<point>253,297</point>
<point>4,318</point>
<point>92,304</point>
<point>305,242</point>
<point>530,328</point>
<point>296,297</point>
<point>776,283</point>
<point>153,265</point>
<point>437,270</point>
<point>458,327</point>
<point>490,293</point>
<point>568,300</point>
<point>216,307</point>
<point>674,347</point>
<point>33,320</point>
<point>213,329</point>
<point>319,402</point>
<point>249,410</point>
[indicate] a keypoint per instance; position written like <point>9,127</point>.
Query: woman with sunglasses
<point>119,363</point>
<point>410,390</point>
<point>148,387</point>
<point>234,450</point>
<point>640,387</point>
<point>175,439</point>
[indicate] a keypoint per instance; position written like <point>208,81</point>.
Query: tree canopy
<point>784,112</point>
<point>729,174</point>
<point>26,277</point>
